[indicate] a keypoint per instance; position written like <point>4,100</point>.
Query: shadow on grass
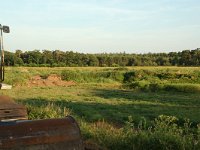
<point>179,98</point>
<point>116,114</point>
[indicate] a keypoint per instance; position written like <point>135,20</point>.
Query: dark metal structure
<point>4,29</point>
<point>19,133</point>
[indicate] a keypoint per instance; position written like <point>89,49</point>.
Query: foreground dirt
<point>51,80</point>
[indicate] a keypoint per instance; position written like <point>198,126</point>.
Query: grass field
<point>119,108</point>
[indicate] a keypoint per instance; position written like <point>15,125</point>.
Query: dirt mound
<point>51,80</point>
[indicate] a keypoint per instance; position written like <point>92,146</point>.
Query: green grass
<point>114,105</point>
<point>110,111</point>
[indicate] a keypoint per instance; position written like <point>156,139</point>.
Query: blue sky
<point>94,26</point>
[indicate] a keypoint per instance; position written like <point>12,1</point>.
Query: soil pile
<point>51,80</point>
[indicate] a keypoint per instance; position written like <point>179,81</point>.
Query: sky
<point>97,26</point>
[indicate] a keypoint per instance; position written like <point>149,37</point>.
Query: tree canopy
<point>58,58</point>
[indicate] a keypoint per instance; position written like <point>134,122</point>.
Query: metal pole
<point>1,41</point>
<point>2,70</point>
<point>1,49</point>
<point>2,57</point>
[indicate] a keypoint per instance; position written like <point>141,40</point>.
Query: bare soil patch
<point>51,80</point>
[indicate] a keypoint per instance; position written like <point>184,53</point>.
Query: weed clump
<point>164,134</point>
<point>47,111</point>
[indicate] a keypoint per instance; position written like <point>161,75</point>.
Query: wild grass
<point>119,108</point>
<point>165,134</point>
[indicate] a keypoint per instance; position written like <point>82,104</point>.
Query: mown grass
<point>112,111</point>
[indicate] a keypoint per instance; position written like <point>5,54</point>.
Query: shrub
<point>130,76</point>
<point>70,75</point>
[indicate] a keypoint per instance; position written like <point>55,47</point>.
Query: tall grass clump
<point>92,76</point>
<point>15,76</point>
<point>46,111</point>
<point>165,134</point>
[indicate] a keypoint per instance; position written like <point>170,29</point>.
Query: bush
<point>116,76</point>
<point>130,76</point>
<point>153,87</point>
<point>70,75</point>
<point>114,65</point>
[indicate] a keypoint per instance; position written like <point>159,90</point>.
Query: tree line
<point>58,58</point>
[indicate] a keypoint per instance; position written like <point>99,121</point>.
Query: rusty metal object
<point>16,133</point>
<point>10,110</point>
<point>50,134</point>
